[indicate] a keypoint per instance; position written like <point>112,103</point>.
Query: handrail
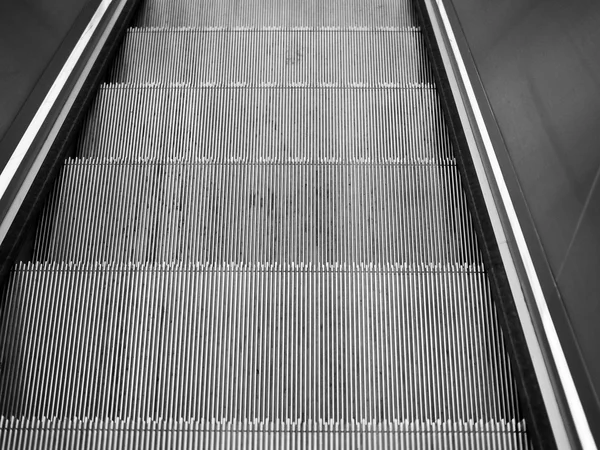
<point>548,358</point>
<point>35,161</point>
<point>8,173</point>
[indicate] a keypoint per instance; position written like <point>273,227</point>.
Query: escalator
<point>261,240</point>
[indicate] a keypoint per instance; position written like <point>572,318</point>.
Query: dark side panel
<point>93,61</point>
<point>539,67</point>
<point>36,38</point>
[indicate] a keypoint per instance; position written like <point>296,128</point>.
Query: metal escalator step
<point>150,434</point>
<point>264,13</point>
<point>285,58</point>
<point>256,212</point>
<point>344,343</point>
<point>263,242</point>
<point>274,124</point>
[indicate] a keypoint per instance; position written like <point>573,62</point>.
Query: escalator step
<point>264,13</point>
<point>262,241</point>
<point>305,58</point>
<point>264,212</point>
<point>268,124</point>
<point>142,434</point>
<point>254,342</point>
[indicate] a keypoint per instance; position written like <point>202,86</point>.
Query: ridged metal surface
<point>242,342</point>
<point>289,58</point>
<point>230,14</point>
<point>243,212</point>
<point>262,242</point>
<point>266,124</point>
<point>142,434</point>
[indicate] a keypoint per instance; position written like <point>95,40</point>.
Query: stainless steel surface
<point>257,212</point>
<point>317,14</point>
<point>253,252</point>
<point>215,124</point>
<point>293,58</point>
<point>150,434</point>
<point>331,342</point>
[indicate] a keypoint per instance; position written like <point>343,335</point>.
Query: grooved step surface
<point>240,212</point>
<point>264,435</point>
<point>283,58</point>
<point>262,242</point>
<point>285,125</point>
<point>279,13</point>
<point>344,343</point>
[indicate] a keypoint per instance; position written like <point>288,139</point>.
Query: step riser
<point>264,344</point>
<point>291,13</point>
<point>284,58</point>
<point>256,213</point>
<point>281,124</point>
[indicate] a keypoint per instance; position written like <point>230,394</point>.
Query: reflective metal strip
<point>276,125</point>
<point>23,147</point>
<point>230,15</point>
<point>255,316</point>
<point>273,58</point>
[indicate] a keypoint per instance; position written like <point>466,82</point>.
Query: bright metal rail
<point>511,242</point>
